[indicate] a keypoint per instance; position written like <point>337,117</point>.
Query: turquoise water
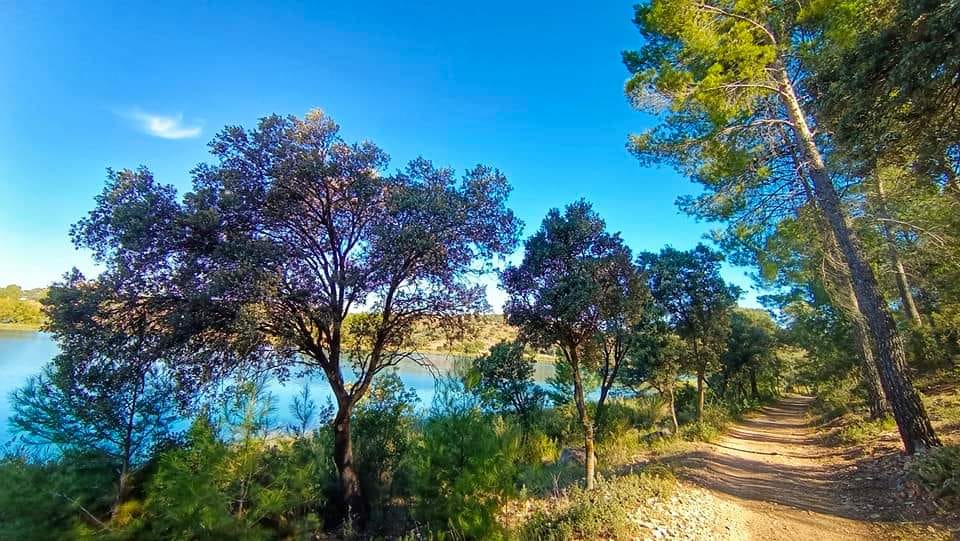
<point>23,354</point>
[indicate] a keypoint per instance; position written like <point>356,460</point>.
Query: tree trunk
<point>915,429</point>
<point>700,393</point>
<point>846,299</point>
<point>673,410</point>
<point>351,499</point>
<point>903,285</point>
<point>754,391</point>
<point>868,369</point>
<point>589,457</point>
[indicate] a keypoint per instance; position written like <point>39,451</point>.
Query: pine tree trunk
<point>915,429</point>
<point>846,300</point>
<point>868,369</point>
<point>351,498</point>
<point>903,285</point>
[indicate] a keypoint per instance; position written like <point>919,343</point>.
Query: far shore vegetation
<point>20,309</point>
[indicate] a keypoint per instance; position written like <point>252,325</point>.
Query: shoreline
<point>22,327</point>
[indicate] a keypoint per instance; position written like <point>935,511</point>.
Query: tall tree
<point>578,290</point>
<point>697,302</point>
<point>107,391</point>
<point>727,76</point>
<point>658,363</point>
<point>295,249</point>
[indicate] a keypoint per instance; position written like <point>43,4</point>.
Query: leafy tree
<point>658,363</point>
<point>578,290</point>
<point>751,348</point>
<point>106,391</point>
<point>728,79</point>
<point>296,250</point>
<point>697,303</point>
<point>503,378</point>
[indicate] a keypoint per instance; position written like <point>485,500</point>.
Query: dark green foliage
<point>578,290</point>
<point>385,427</point>
<point>750,368</point>
<point>697,303</point>
<point>49,499</point>
<point>463,466</point>
<point>503,379</point>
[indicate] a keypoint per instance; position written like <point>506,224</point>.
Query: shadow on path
<point>772,457</point>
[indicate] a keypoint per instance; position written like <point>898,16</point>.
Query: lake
<point>24,353</point>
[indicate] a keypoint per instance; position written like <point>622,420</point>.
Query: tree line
<point>21,307</point>
<point>297,253</point>
<point>824,135</point>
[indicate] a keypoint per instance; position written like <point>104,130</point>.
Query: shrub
<point>937,470</point>
<point>837,397</point>
<point>650,411</point>
<point>463,466</point>
<point>233,478</point>
<point>620,447</point>
<point>383,433</point>
<point>604,512</point>
<point>46,499</point>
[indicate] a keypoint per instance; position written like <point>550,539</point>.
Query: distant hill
<point>35,294</point>
<point>469,335</point>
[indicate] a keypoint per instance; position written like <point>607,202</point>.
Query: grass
<point>604,513</point>
<point>861,431</point>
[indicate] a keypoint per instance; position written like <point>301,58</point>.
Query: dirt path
<point>770,479</point>
<point>781,483</point>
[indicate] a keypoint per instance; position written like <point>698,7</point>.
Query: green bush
<point>837,397</point>
<point>463,467</point>
<point>384,429</point>
<point>236,479</point>
<point>642,412</point>
<point>937,470</point>
<point>604,512</point>
<point>715,419</point>
<point>50,499</point>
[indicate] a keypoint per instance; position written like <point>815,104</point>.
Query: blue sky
<point>532,88</point>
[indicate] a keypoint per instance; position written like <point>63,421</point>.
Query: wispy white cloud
<point>164,126</point>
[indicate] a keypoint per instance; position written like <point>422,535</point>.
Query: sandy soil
<point>769,478</point>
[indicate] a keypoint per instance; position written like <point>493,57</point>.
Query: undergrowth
<point>938,471</point>
<point>606,512</point>
<point>861,431</point>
